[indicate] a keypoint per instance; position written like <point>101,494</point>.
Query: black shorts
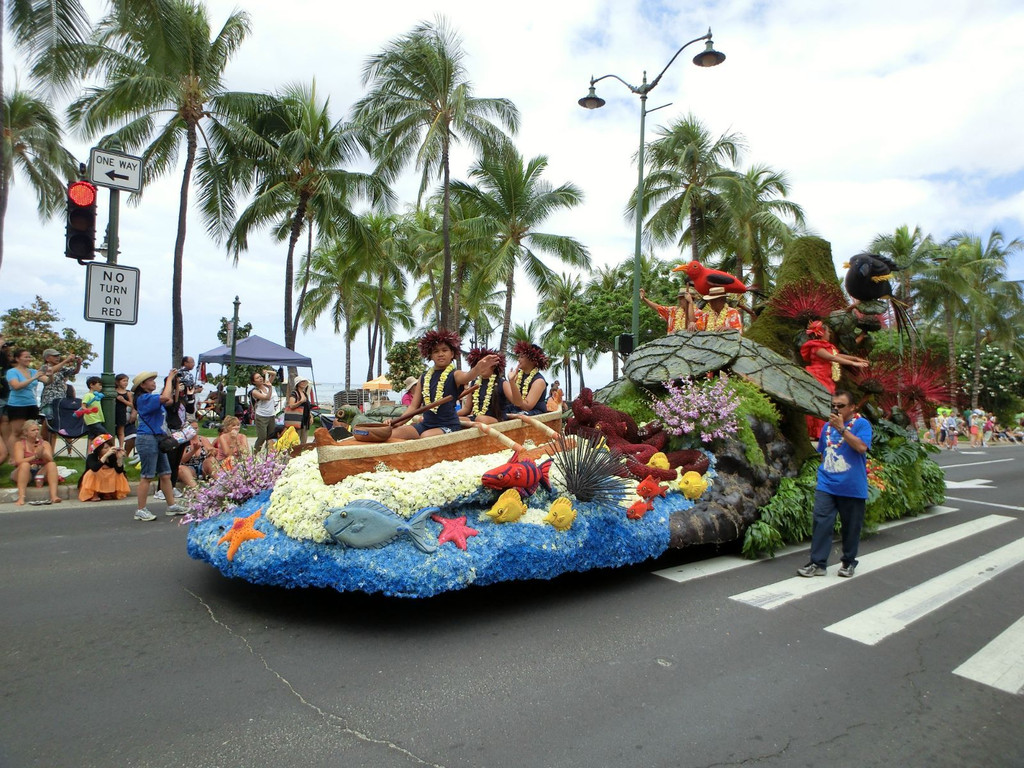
<point>22,412</point>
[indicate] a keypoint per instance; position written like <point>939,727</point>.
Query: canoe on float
<point>339,459</point>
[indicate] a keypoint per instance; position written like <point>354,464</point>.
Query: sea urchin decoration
<point>805,300</point>
<point>592,472</point>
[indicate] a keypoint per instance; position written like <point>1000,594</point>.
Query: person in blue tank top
<point>443,380</point>
<point>526,389</point>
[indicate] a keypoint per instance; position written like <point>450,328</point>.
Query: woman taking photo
<point>22,402</point>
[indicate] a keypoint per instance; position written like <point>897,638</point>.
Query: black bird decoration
<point>869,278</point>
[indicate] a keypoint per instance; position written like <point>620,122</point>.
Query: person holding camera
<point>5,390</point>
<point>265,399</point>
<point>22,404</point>
<point>842,486</point>
<point>153,462</point>
<point>104,477</point>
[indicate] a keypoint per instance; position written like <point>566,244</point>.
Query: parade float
<point>702,441</point>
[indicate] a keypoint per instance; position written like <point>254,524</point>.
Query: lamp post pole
<point>709,57</point>
<point>229,391</point>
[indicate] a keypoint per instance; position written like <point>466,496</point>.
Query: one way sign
<point>115,170</point>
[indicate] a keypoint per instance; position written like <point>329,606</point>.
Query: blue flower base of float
<point>600,537</point>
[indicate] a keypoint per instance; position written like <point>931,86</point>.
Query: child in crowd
<point>91,410</point>
<point>122,407</point>
<point>526,388</point>
<point>487,404</point>
<point>104,472</point>
<point>443,380</point>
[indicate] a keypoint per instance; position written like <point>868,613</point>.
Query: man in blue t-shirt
<point>842,486</point>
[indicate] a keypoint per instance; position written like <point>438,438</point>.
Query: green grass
<point>72,462</point>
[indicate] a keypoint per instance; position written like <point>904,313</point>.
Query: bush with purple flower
<point>250,475</point>
<point>701,411</point>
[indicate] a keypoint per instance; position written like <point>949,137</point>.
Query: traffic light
<point>80,234</point>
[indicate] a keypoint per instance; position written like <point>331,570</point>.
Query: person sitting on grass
<point>33,460</point>
<point>443,380</point>
<point>229,444</point>
<point>104,477</point>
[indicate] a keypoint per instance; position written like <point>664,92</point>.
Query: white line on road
<point>889,617</point>
<point>975,463</point>
<point>978,482</point>
<point>724,563</point>
<point>999,664</point>
<point>782,592</point>
<point>986,503</point>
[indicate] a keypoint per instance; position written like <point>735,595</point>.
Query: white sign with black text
<point>115,170</point>
<point>111,293</point>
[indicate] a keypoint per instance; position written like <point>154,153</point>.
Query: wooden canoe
<point>339,459</point>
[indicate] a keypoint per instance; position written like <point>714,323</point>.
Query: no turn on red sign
<point>111,293</point>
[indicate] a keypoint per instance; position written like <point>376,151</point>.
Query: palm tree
<point>757,220</point>
<point>32,143</point>
<point>561,293</point>
<point>686,174</point>
<point>292,156</point>
<point>513,201</point>
<point>910,251</point>
<point>420,103</point>
<point>165,64</point>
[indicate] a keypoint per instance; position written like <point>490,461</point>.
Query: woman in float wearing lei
<point>487,404</point>
<point>526,389</point>
<point>823,363</point>
<point>443,380</point>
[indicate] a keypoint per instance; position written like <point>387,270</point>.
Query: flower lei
<point>837,372</point>
<point>678,319</point>
<point>429,399</point>
<point>830,430</point>
<point>480,407</point>
<point>524,386</point>
<point>715,320</point>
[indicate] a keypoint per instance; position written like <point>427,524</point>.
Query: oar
<point>374,432</point>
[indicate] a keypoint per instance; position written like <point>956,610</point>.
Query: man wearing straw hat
<point>717,315</point>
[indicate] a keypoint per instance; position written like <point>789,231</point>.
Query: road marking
<point>782,592</point>
<point>986,503</point>
<point>1000,664</point>
<point>975,463</point>
<point>725,563</point>
<point>873,625</point>
<point>982,483</point>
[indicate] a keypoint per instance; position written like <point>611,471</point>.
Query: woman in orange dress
<point>104,472</point>
<point>823,363</point>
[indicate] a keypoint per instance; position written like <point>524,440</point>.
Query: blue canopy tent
<point>255,350</point>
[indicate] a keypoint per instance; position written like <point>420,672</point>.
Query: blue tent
<point>255,350</point>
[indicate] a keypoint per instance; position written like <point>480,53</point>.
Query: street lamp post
<point>709,57</point>
<point>229,391</point>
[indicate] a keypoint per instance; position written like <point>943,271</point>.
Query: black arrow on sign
<point>112,175</point>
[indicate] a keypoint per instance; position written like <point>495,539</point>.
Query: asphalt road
<point>118,650</point>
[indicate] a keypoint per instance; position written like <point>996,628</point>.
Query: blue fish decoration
<point>367,523</point>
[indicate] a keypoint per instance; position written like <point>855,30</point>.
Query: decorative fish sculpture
<point>649,488</point>
<point>508,508</point>
<point>367,523</point>
<point>638,509</point>
<point>692,485</point>
<point>561,514</point>
<point>525,476</point>
<point>659,460</point>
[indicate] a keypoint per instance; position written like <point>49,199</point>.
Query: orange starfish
<point>241,530</point>
<point>454,530</point>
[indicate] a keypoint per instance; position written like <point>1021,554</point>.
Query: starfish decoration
<point>241,530</point>
<point>454,530</point>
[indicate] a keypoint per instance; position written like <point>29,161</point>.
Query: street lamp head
<point>591,100</point>
<point>709,57</point>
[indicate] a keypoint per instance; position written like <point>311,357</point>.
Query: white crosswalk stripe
<point>999,664</point>
<point>782,592</point>
<point>889,617</point>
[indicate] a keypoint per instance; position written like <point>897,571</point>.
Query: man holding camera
<point>842,486</point>
<point>265,411</point>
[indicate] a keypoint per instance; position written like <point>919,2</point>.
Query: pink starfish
<point>454,530</point>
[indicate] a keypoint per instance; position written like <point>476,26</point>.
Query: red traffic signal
<point>80,234</point>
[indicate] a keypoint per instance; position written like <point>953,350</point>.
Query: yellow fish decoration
<point>561,515</point>
<point>692,485</point>
<point>508,508</point>
<point>288,439</point>
<point>659,460</point>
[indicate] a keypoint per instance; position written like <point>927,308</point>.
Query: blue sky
<point>881,114</point>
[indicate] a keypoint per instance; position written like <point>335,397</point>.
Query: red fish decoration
<point>649,488</point>
<point>525,476</point>
<point>705,278</point>
<point>638,509</point>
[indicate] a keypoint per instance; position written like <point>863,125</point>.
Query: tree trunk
<point>510,285</point>
<point>289,269</point>
<point>177,319</point>
<point>305,282</point>
<point>4,181</point>
<point>951,347</point>
<point>348,354</point>
<point>567,367</point>
<point>976,382</point>
<point>579,367</point>
<point>615,365</point>
<point>693,232</point>
<point>446,277</point>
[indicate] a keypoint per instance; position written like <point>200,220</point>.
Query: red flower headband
<point>432,338</point>
<point>479,353</point>
<point>816,328</point>
<point>532,352</point>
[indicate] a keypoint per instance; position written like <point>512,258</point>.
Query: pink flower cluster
<point>231,488</point>
<point>705,409</point>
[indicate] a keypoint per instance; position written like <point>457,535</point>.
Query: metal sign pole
<point>109,389</point>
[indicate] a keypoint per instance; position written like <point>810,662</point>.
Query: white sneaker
<point>177,493</point>
<point>144,515</point>
<point>159,495</point>
<point>135,459</point>
<point>174,509</point>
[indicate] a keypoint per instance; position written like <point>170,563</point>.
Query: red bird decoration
<point>704,279</point>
